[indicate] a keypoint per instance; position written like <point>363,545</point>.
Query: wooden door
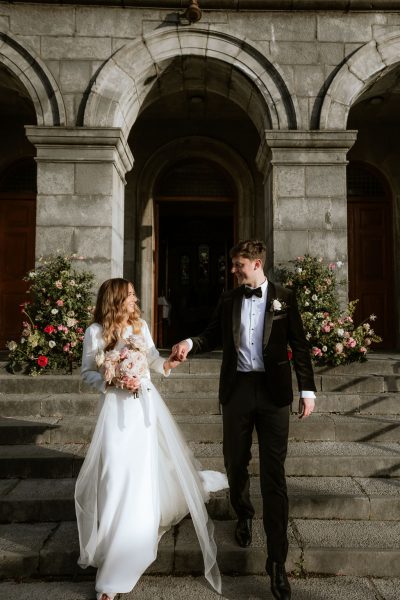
<point>371,265</point>
<point>17,257</point>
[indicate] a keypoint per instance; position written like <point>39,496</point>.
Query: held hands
<point>172,362</point>
<point>306,407</point>
<point>180,351</point>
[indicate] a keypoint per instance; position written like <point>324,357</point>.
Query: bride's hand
<point>171,363</point>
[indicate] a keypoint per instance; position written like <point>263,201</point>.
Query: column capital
<point>81,145</point>
<point>301,147</point>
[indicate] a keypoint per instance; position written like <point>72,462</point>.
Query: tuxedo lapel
<point>236,315</point>
<point>271,293</point>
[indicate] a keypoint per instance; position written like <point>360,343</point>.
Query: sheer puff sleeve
<point>155,361</point>
<point>92,343</point>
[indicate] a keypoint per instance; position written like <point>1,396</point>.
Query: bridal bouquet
<point>119,366</point>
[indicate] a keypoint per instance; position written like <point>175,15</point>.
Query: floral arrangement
<point>119,366</point>
<point>55,317</point>
<point>333,337</point>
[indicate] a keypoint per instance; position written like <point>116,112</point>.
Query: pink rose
<point>326,328</point>
<point>316,351</point>
<point>363,349</point>
<point>66,348</point>
<point>351,343</point>
<point>60,302</point>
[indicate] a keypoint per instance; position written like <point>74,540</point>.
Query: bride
<point>139,477</point>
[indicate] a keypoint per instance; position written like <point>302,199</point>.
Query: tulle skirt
<point>138,479</point>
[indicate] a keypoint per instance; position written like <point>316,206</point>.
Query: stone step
<point>203,428</point>
<point>305,459</point>
<point>361,548</point>
<point>254,587</point>
<point>86,404</point>
<point>320,459</point>
<point>36,500</point>
<point>181,382</point>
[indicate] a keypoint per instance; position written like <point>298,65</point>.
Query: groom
<point>255,324</point>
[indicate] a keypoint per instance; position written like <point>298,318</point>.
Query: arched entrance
<point>371,269</point>
<point>17,242</point>
<point>195,213</point>
<point>363,96</point>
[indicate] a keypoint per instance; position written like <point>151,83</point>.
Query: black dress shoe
<point>280,586</point>
<point>243,532</point>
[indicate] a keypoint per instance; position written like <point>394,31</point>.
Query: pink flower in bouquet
<point>60,302</point>
<point>120,366</point>
<point>316,351</point>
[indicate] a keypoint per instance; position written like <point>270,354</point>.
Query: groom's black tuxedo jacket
<point>281,327</point>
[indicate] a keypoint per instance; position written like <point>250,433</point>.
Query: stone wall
<point>293,74</point>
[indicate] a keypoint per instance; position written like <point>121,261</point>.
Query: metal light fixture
<point>191,15</point>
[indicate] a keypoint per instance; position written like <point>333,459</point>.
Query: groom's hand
<point>180,350</point>
<point>306,407</point>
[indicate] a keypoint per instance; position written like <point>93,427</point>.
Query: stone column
<point>305,192</point>
<point>80,200</point>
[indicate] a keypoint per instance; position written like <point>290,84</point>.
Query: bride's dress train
<point>138,479</point>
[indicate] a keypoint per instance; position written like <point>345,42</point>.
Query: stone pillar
<point>305,193</point>
<point>80,201</point>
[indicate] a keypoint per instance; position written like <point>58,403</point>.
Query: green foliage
<point>56,318</point>
<point>331,333</point>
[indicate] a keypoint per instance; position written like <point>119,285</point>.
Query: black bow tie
<point>249,292</point>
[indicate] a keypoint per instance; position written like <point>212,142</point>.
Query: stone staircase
<point>343,471</point>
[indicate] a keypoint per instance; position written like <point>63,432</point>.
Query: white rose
<point>324,348</point>
<point>54,311</point>
<point>276,305</point>
<point>340,332</point>
<point>339,264</point>
<point>299,270</point>
<point>314,297</point>
<point>52,343</point>
<point>71,322</point>
<point>12,345</point>
<point>23,340</point>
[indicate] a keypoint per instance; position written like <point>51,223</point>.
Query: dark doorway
<point>371,266</point>
<point>195,215</point>
<point>17,243</point>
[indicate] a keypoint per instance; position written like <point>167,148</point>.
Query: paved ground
<point>234,588</point>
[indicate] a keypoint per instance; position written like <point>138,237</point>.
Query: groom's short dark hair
<point>250,249</point>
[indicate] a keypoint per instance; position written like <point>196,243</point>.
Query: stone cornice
<point>238,5</point>
<point>304,147</point>
<point>81,144</point>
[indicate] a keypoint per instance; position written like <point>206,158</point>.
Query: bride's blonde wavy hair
<point>110,312</point>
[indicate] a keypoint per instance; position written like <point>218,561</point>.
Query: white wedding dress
<point>138,479</point>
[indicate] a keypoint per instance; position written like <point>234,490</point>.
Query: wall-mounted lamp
<point>191,15</point>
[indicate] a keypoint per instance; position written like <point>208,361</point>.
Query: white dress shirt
<point>250,355</point>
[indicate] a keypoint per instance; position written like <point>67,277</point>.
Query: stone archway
<point>217,152</point>
<point>355,76</point>
<point>32,72</point>
<point>119,91</point>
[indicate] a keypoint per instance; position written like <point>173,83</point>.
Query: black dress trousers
<point>249,407</point>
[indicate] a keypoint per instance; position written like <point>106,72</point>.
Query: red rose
<point>289,354</point>
<point>49,329</point>
<point>42,360</point>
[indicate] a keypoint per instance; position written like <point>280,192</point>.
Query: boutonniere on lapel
<point>277,306</point>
